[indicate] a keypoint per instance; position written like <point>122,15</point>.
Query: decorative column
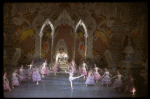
<point>41,34</point>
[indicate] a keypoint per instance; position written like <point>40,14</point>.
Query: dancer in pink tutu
<point>36,75</point>
<point>45,69</point>
<point>71,78</point>
<point>90,78</point>
<point>84,71</point>
<point>106,80</point>
<point>56,67</point>
<point>22,76</point>
<point>118,82</point>
<point>73,66</point>
<point>30,70</point>
<point>97,76</point>
<point>6,82</point>
<point>130,85</point>
<point>14,79</point>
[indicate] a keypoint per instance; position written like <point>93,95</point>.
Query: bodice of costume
<point>96,69</point>
<point>21,70</point>
<point>14,74</point>
<point>84,66</point>
<point>70,74</point>
<point>4,79</point>
<point>107,74</point>
<point>119,77</point>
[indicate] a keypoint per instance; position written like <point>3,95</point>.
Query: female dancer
<point>6,82</point>
<point>22,76</point>
<point>30,70</point>
<point>118,82</point>
<point>45,69</point>
<point>130,85</point>
<point>14,79</point>
<point>96,74</point>
<point>31,65</point>
<point>36,75</point>
<point>106,80</point>
<point>73,66</point>
<point>56,67</point>
<point>84,72</point>
<point>90,78</point>
<point>71,78</point>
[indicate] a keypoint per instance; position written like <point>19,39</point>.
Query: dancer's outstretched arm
<point>66,71</point>
<point>100,69</point>
<point>86,66</point>
<point>103,75</point>
<point>122,75</point>
<point>114,77</point>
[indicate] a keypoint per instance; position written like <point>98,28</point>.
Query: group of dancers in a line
<point>92,78</point>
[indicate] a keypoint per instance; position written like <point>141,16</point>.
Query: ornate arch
<point>86,34</point>
<point>47,22</point>
<point>64,18</point>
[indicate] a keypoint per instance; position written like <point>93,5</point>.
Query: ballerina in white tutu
<point>71,78</point>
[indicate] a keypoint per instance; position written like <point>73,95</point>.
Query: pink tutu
<point>90,80</point>
<point>56,69</point>
<point>118,83</point>
<point>6,85</point>
<point>15,81</point>
<point>23,77</point>
<point>45,71</point>
<point>97,76</point>
<point>84,72</point>
<point>30,72</point>
<point>36,76</point>
<point>106,80</point>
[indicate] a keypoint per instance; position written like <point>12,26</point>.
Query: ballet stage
<point>59,87</point>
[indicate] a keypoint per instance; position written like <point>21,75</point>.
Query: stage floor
<point>59,86</point>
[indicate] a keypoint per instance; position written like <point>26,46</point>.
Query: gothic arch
<point>47,22</point>
<point>86,34</point>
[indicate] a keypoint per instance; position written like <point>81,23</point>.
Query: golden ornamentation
<point>26,33</point>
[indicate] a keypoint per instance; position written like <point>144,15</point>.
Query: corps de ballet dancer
<point>45,69</point>
<point>14,79</point>
<point>118,81</point>
<point>73,66</point>
<point>22,76</point>
<point>97,76</point>
<point>36,75</point>
<point>106,80</point>
<point>90,78</point>
<point>6,82</point>
<point>30,71</point>
<point>56,67</point>
<point>84,69</point>
<point>130,85</point>
<point>71,78</point>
